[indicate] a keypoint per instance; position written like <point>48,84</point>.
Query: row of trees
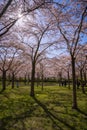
<point>29,31</point>
<point>51,69</point>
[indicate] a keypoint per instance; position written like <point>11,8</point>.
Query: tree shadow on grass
<point>1,91</point>
<point>11,122</point>
<point>82,112</point>
<point>53,117</point>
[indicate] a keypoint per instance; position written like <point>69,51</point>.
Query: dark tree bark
<point>32,79</point>
<point>3,80</point>
<point>68,80</point>
<point>42,82</point>
<point>13,80</point>
<point>82,83</point>
<point>74,98</point>
<point>85,77</point>
<point>5,8</point>
<point>25,80</point>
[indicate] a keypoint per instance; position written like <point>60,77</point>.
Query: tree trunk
<point>32,79</point>
<point>68,80</point>
<point>28,79</point>
<point>81,77</point>
<point>74,100</point>
<point>12,80</point>
<point>3,80</point>
<point>82,84</point>
<point>25,80</point>
<point>85,77</point>
<point>42,82</point>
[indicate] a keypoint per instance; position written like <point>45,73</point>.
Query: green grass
<point>51,109</point>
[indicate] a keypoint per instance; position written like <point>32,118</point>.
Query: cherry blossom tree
<point>81,62</point>
<point>71,29</point>
<point>37,49</point>
<point>15,68</point>
<point>7,54</point>
<point>13,10</point>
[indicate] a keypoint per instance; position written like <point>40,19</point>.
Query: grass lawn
<point>51,109</point>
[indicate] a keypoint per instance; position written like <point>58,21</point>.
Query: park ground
<point>50,109</point>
